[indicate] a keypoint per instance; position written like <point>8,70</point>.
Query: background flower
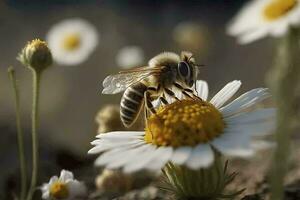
<point>130,56</point>
<point>72,41</point>
<point>64,187</point>
<point>259,18</point>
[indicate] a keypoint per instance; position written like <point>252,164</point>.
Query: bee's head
<point>187,70</point>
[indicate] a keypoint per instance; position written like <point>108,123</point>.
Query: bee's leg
<point>171,93</point>
<point>186,91</point>
<point>163,100</point>
<point>148,103</point>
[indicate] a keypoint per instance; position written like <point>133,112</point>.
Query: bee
<point>143,85</point>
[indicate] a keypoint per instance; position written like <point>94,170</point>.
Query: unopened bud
<point>36,55</point>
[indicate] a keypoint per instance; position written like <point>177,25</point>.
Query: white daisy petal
<point>202,89</point>
<point>105,145</point>
<point>202,156</point>
<point>250,14</point>
<point>181,154</point>
<point>130,154</point>
<point>76,189</point>
<point>133,158</point>
<point>120,134</point>
<point>234,145</point>
<point>252,117</point>
<point>255,129</point>
<point>252,36</point>
<point>245,101</point>
<point>66,175</point>
<point>53,179</point>
<point>46,194</point>
<point>279,29</point>
<point>165,154</point>
<point>142,160</point>
<point>225,93</point>
<point>115,153</point>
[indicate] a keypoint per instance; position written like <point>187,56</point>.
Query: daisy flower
<point>72,41</point>
<point>64,188</point>
<point>187,132</point>
<point>130,56</point>
<point>265,17</point>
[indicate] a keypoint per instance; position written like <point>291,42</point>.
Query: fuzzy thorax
<point>184,123</point>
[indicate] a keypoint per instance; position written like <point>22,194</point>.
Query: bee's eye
<point>183,69</point>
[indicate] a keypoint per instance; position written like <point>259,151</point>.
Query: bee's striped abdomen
<point>131,103</point>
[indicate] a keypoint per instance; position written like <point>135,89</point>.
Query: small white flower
<point>185,131</point>
<point>130,56</point>
<point>72,41</point>
<point>265,17</point>
<point>64,188</point>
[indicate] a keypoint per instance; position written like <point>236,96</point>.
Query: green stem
<point>20,140</point>
<point>283,80</point>
<point>35,122</point>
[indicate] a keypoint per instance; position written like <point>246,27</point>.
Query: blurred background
<point>71,95</point>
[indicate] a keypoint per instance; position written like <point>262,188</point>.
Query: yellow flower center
<point>184,123</point>
<point>71,42</point>
<point>59,190</point>
<point>278,8</point>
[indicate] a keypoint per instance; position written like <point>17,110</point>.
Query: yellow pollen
<point>59,190</point>
<point>71,42</point>
<point>184,123</point>
<point>278,8</point>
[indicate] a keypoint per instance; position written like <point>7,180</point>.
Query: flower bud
<point>36,55</point>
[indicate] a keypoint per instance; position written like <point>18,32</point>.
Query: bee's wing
<point>119,82</point>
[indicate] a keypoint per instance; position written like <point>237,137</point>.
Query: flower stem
<point>20,138</point>
<point>283,80</point>
<point>35,121</point>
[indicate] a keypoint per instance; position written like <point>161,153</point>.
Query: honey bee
<point>144,84</point>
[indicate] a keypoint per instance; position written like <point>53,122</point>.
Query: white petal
<point>132,156</point>
<point>254,129</point>
<point>142,160</point>
<point>66,175</point>
<point>46,194</point>
<point>234,145</point>
<point>225,93</point>
<point>202,89</point>
<point>53,179</point>
<point>202,156</point>
<point>279,29</point>
<point>246,100</point>
<point>118,153</point>
<point>249,37</point>
<point>105,145</point>
<point>121,134</point>
<point>76,189</point>
<point>165,154</point>
<point>252,117</point>
<point>248,18</point>
<point>180,155</point>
